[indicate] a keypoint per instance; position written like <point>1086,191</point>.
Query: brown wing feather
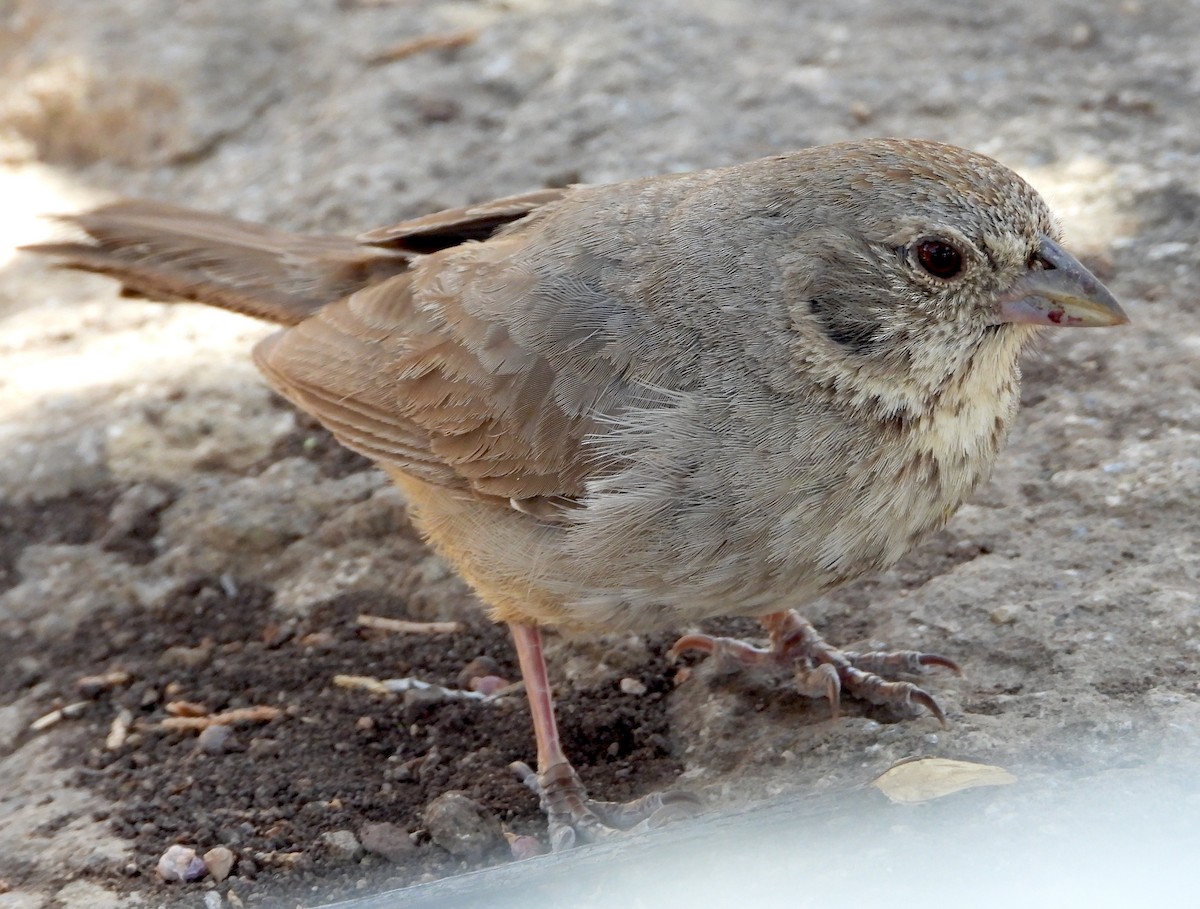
<point>414,382</point>
<point>383,349</point>
<point>443,229</point>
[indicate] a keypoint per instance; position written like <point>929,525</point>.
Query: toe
<point>574,819</point>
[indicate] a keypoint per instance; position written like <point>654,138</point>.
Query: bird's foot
<point>575,819</point>
<point>821,670</point>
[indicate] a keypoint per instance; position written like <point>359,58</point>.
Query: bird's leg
<point>572,816</point>
<point>821,670</point>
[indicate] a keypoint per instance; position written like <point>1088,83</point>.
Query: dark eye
<point>939,258</point>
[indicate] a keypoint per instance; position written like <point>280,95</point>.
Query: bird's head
<point>922,254</point>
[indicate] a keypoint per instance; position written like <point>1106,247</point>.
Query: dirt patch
<point>335,759</point>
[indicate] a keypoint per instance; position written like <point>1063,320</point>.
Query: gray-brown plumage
<point>649,403</point>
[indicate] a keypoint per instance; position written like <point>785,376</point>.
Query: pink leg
<point>528,641</point>
<point>572,816</point>
<point>820,670</point>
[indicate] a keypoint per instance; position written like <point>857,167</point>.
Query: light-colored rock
<point>219,861</point>
<point>341,846</point>
<point>462,826</point>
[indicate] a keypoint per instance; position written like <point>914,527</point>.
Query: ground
<point>169,525</point>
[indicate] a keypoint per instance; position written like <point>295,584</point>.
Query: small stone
<point>388,841</point>
<point>219,862</point>
<point>214,739</point>
<point>263,747</point>
<point>489,684</point>
<point>861,112</point>
<point>524,846</point>
<point>1003,615</point>
<point>180,657</point>
<point>633,686</point>
<point>462,826</point>
<point>478,668</point>
<point>340,846</point>
<point>213,900</point>
<point>180,863</point>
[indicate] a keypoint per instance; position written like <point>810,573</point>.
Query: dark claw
<point>935,659</point>
<point>701,642</point>
<point>889,663</point>
<point>925,699</point>
<point>795,643</point>
<point>728,650</point>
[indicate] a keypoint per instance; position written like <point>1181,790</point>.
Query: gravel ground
<point>175,542</point>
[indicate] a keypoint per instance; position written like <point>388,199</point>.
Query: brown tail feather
<point>168,253</point>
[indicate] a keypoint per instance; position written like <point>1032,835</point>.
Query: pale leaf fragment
<point>925,779</point>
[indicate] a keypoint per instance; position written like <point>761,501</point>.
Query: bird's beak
<point>1058,290</point>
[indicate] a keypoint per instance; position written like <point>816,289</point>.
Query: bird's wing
<point>443,229</point>
<point>415,373</point>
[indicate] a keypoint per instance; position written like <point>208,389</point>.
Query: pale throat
<point>968,415</point>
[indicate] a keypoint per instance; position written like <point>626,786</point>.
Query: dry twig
<point>404,626</point>
<point>440,41</point>
<point>259,714</point>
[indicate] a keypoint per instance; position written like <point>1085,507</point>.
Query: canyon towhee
<point>631,406</point>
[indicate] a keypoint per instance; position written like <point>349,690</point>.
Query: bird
<point>644,404</point>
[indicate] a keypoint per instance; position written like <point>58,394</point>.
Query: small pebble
<point>214,739</point>
<point>1003,615</point>
<point>340,846</point>
<point>213,900</point>
<point>860,112</point>
<point>462,826</point>
<point>181,657</point>
<point>389,841</point>
<point>263,747</point>
<point>219,862</point>
<point>318,640</point>
<point>478,668</point>
<point>180,863</point>
<point>488,684</point>
<point>524,846</point>
<point>633,686</point>
<point>118,731</point>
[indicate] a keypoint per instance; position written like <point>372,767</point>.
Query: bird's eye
<point>939,258</point>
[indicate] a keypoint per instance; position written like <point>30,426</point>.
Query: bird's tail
<point>174,254</point>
